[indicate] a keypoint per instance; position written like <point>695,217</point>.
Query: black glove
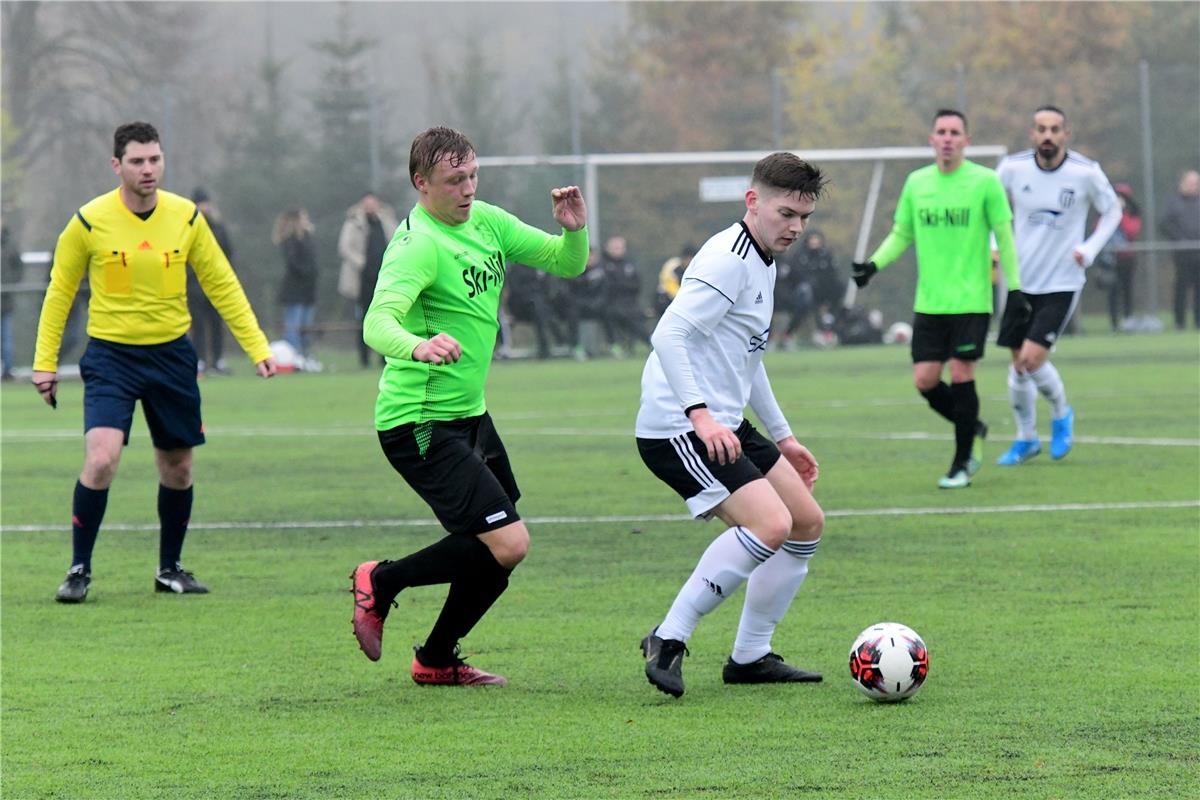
<point>1014,324</point>
<point>862,273</point>
<point>1019,303</point>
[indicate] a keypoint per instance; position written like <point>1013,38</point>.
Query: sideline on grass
<point>622,518</point>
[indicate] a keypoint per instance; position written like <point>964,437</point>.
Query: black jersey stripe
<point>83,219</point>
<point>195,214</point>
<point>767,258</point>
<point>738,243</point>
<point>709,285</point>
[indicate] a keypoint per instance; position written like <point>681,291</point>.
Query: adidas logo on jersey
<point>758,299</point>
<point>145,245</point>
<point>1026,188</point>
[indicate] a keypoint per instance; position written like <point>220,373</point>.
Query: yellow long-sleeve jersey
<point>138,274</point>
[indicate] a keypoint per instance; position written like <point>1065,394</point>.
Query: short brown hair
<point>788,173</point>
<point>434,144</point>
<point>140,132</point>
<point>949,112</point>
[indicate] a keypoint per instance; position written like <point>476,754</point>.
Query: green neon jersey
<point>439,278</point>
<point>949,216</point>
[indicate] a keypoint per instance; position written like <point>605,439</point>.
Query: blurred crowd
<point>607,311</point>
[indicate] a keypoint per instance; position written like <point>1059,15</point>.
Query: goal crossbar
<point>591,162</point>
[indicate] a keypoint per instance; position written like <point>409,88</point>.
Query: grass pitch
<point>1060,602</point>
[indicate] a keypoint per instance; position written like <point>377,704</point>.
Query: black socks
<point>87,512</point>
<point>966,418</point>
<point>174,513</point>
<point>941,400</point>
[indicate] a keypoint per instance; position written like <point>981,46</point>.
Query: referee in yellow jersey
<point>135,243</point>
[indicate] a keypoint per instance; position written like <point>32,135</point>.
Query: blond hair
<point>291,224</point>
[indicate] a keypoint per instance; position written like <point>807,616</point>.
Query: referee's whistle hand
<point>266,368</point>
<point>46,384</point>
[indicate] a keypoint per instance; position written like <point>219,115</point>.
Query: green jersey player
<point>434,319</point>
<point>948,209</point>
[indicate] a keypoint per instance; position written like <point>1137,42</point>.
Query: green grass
<point>1064,643</point>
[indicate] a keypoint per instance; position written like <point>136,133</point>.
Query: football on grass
<point>889,662</point>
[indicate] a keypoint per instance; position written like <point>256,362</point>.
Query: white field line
<point>623,518</point>
<point>512,433</point>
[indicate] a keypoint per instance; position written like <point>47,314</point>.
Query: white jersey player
<point>705,368</point>
<point>1051,191</point>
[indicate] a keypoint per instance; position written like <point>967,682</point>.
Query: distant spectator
<point>623,314</point>
<point>1117,262</point>
<point>14,271</point>
<point>669,277</point>
<point>1181,223</point>
<point>793,296</point>
<point>531,294</point>
<point>816,260</point>
<point>298,291</point>
<point>813,283</point>
<point>208,331</point>
<point>585,301</point>
<point>364,236</point>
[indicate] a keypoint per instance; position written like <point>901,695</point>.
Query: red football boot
<point>368,616</point>
<point>457,673</point>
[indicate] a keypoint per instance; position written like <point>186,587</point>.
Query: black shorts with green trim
<point>941,337</point>
<point>459,468</point>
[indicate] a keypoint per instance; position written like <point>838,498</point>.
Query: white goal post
<point>592,163</point>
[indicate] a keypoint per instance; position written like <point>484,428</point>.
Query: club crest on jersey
<point>1066,198</point>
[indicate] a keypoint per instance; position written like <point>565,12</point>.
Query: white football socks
<point>725,565</point>
<point>1050,384</point>
<point>1022,393</point>
<point>769,594</point>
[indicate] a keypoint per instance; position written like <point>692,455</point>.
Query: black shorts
<point>1049,315</point>
<point>682,463</point>
<point>162,376</point>
<point>463,472</point>
<point>941,337</point>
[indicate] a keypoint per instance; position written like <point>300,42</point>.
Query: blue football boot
<point>1021,451</point>
<point>1062,434</point>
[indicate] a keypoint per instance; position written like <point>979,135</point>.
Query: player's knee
<point>510,549</point>
<point>1031,363</point>
<point>808,525</point>
<point>773,528</point>
<point>926,382</point>
<point>175,470</point>
<point>100,468</point>
<point>176,476</point>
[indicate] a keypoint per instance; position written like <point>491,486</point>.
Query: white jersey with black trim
<point>727,293</point>
<point>1050,211</point>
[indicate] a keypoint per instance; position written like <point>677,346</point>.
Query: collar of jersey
<point>1036,163</point>
<point>460,226</point>
<point>766,258</point>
